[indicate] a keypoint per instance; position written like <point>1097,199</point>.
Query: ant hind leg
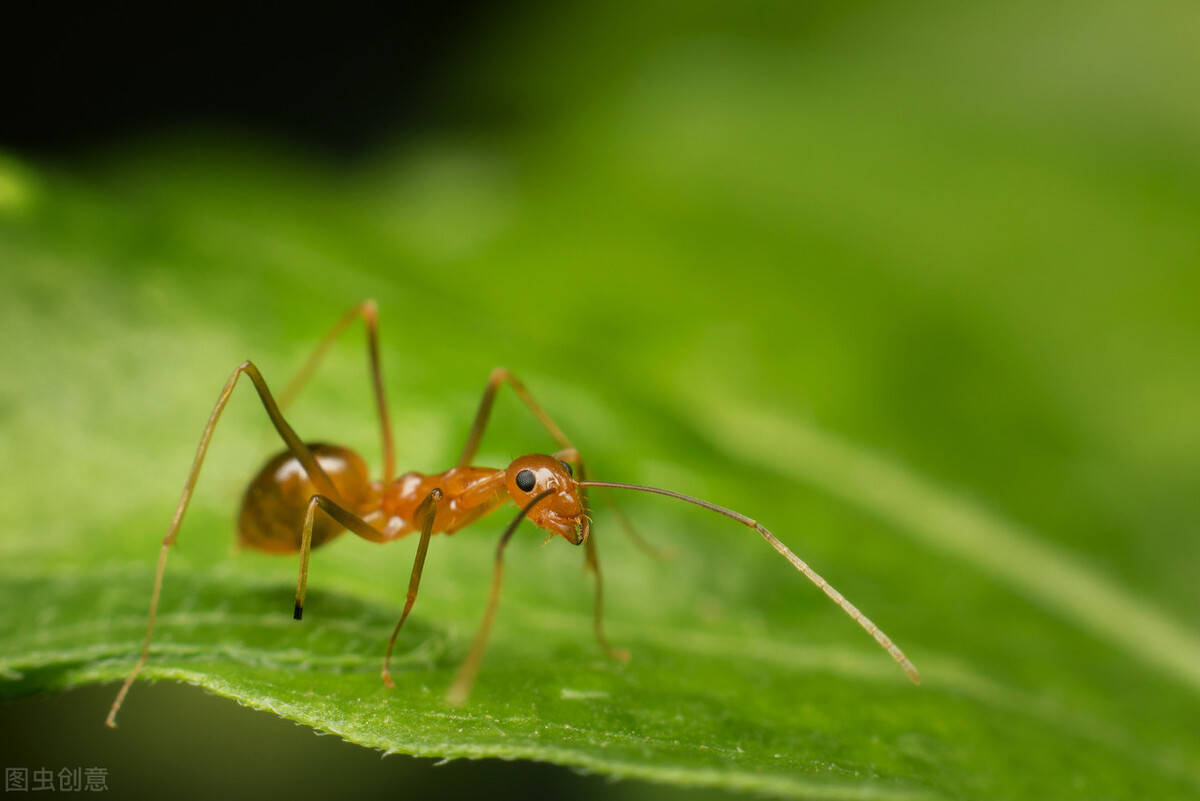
<point>294,444</point>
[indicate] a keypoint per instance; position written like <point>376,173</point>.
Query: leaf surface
<point>975,434</point>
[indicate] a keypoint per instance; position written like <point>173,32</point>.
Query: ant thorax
<point>468,494</point>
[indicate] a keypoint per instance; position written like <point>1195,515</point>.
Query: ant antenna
<point>798,563</point>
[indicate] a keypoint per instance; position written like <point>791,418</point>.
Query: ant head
<point>561,512</point>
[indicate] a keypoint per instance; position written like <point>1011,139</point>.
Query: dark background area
<point>251,755</point>
<point>86,77</point>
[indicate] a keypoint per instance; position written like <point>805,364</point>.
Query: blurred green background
<point>916,285</point>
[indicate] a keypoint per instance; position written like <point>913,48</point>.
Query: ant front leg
<point>294,445</point>
<point>592,563</point>
<point>592,559</point>
<point>465,679</point>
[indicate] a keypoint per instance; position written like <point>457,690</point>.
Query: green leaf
<point>966,408</point>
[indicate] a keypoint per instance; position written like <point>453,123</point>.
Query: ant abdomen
<point>273,508</point>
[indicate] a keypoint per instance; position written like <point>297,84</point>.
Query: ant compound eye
<point>526,480</point>
<point>570,472</point>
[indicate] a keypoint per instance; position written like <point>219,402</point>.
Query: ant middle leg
<point>346,519</point>
<point>426,513</point>
<point>295,446</point>
<point>369,313</point>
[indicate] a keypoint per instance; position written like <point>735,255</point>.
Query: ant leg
<point>426,513</point>
<point>572,455</point>
<point>593,564</point>
<point>627,526</point>
<point>368,311</point>
<point>568,453</point>
<point>591,557</point>
<point>294,444</point>
<point>465,679</point>
<point>498,377</point>
<point>345,519</point>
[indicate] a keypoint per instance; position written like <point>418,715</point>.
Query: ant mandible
<point>279,508</point>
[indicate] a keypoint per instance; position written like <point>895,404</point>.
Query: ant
<point>280,506</point>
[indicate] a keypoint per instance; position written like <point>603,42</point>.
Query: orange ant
<point>279,509</point>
